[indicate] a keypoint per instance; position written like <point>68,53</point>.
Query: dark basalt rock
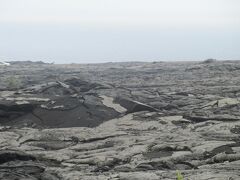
<point>68,106</point>
<point>6,156</point>
<point>132,120</point>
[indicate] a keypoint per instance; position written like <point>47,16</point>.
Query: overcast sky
<point>86,31</point>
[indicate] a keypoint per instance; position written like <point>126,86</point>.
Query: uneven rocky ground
<point>120,121</point>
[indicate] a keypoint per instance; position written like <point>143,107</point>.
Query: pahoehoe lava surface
<point>120,121</point>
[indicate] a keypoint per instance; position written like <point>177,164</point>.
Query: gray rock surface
<point>120,121</point>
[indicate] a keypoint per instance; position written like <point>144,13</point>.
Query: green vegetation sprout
<point>179,175</point>
<point>13,82</point>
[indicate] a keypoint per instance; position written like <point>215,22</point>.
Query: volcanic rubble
<point>120,121</point>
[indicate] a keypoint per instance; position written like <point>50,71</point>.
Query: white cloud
<point>147,13</point>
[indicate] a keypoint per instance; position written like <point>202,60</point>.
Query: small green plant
<point>13,82</point>
<point>179,175</point>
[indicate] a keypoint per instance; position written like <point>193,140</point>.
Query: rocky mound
<point>73,103</point>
